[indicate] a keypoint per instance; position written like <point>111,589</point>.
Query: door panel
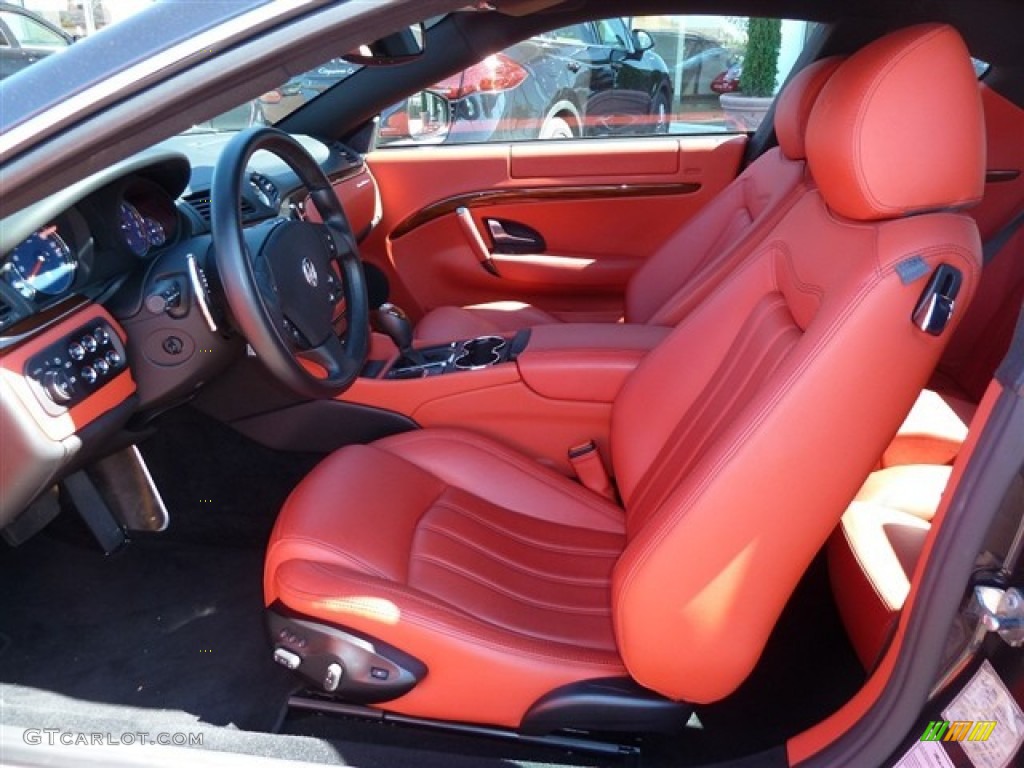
<point>600,207</point>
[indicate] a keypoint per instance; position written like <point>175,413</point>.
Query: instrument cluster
<point>98,239</point>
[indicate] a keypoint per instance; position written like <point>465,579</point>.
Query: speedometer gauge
<point>133,230</point>
<point>42,264</point>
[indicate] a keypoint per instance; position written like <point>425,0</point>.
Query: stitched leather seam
<point>513,460</point>
<point>579,581</point>
<point>553,650</point>
<point>509,593</point>
<point>519,537</point>
<point>347,557</point>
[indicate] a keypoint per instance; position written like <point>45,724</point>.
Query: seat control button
<point>287,659</point>
<point>332,677</point>
<point>76,351</point>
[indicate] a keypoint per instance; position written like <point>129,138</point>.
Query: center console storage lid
<point>585,361</point>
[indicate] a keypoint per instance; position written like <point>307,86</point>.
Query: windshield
<point>274,105</point>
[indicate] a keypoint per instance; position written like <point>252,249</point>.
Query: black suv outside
<point>26,37</point>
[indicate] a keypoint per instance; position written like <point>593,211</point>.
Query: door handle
<point>504,239</point>
<point>513,237</point>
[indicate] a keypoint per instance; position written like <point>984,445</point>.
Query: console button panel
<point>70,370</point>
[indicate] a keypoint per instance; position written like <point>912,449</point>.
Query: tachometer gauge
<point>42,263</point>
<point>155,230</point>
<point>133,230</point>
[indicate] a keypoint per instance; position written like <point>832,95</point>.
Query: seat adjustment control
<point>332,677</point>
<point>287,659</point>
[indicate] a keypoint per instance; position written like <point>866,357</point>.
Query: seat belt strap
<point>1002,237</point>
<point>590,471</point>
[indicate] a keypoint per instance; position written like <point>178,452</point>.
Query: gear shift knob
<point>391,320</point>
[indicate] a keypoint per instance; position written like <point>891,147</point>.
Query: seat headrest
<point>898,128</point>
<point>793,107</point>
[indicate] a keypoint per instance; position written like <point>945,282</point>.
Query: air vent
<point>200,202</point>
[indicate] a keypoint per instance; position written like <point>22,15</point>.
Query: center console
<point>542,391</point>
<point>469,355</point>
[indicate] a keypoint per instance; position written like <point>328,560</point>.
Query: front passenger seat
<point>692,263</point>
<point>442,575</point>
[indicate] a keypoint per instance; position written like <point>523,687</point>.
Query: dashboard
<point>109,304</point>
<point>81,249</point>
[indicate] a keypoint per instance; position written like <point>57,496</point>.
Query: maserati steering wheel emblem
<point>309,272</point>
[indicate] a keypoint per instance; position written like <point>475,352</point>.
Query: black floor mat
<point>157,625</point>
<point>221,487</point>
<point>174,620</point>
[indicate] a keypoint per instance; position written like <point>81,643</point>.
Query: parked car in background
<point>728,81</point>
<point>589,79</point>
<point>704,61</point>
<point>26,37</point>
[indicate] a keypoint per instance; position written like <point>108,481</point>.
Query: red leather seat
<point>736,445</point>
<point>873,553</point>
<point>689,266</point>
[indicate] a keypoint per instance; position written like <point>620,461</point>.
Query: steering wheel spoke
<point>332,356</point>
<point>286,279</point>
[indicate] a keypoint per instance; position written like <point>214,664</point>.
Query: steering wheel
<point>284,279</point>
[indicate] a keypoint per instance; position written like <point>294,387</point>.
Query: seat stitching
<point>506,592</point>
<point>341,554</point>
<point>516,536</point>
<point>562,651</point>
<point>582,581</point>
<point>511,459</point>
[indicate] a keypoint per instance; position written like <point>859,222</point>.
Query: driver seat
<point>445,576</point>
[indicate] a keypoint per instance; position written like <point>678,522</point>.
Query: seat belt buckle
<point>590,471</point>
<point>935,308</point>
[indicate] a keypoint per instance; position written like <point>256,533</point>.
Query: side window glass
<point>577,33</point>
<point>613,33</point>
<point>666,75</point>
<point>30,33</point>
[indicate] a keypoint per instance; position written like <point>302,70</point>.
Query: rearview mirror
<point>396,48</point>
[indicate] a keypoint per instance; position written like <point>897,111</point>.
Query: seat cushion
<point>444,324</point>
<point>873,552</point>
<point>933,431</point>
<point>490,569</point>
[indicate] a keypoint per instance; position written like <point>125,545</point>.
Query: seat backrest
<point>739,441</point>
<point>691,263</point>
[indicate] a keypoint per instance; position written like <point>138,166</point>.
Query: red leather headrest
<point>899,128</point>
<point>793,108</point>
